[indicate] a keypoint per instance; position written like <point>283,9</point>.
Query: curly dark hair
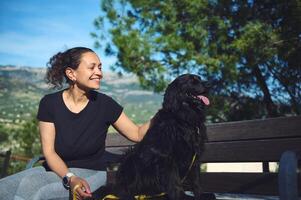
<point>59,62</point>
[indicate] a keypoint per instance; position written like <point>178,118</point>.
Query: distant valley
<point>21,89</point>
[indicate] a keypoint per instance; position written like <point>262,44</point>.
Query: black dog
<point>168,158</point>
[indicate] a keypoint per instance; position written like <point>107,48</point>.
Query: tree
<point>22,141</point>
<point>248,48</point>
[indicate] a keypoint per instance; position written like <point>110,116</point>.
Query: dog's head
<point>187,91</point>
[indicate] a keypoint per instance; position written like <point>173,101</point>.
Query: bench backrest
<point>253,140</point>
<point>244,141</point>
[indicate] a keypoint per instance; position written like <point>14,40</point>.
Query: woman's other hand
<point>80,188</point>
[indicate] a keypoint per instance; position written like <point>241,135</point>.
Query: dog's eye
<point>195,80</point>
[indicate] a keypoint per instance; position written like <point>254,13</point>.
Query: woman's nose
<point>98,72</point>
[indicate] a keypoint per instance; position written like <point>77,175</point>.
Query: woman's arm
<point>47,133</point>
<point>132,131</point>
<point>54,161</point>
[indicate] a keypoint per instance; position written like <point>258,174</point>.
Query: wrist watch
<point>66,180</point>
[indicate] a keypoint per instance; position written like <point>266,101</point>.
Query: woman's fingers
<point>86,186</point>
<point>81,192</point>
<point>80,188</point>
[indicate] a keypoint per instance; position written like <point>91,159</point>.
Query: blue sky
<point>31,31</point>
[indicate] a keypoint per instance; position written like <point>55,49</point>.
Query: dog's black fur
<point>161,160</point>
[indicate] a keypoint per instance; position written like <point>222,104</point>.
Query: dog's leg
<point>174,186</point>
<point>175,194</point>
<point>195,180</point>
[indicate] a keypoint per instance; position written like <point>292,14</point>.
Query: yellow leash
<point>73,192</point>
<point>190,166</point>
<point>137,197</point>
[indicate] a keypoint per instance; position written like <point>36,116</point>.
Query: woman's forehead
<point>90,57</point>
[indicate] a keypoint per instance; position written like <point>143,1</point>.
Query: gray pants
<point>38,184</point>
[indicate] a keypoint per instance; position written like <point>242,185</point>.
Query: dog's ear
<point>170,97</point>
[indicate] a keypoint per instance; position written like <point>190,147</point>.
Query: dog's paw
<point>207,196</point>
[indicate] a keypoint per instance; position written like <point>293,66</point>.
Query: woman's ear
<point>70,74</point>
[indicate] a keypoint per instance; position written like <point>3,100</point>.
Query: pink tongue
<point>204,99</point>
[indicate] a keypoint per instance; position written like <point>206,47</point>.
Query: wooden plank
<point>20,158</point>
<point>117,150</point>
<point>255,129</point>
<point>250,151</point>
<point>117,140</point>
<point>235,183</point>
<point>242,183</point>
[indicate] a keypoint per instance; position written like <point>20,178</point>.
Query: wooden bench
<point>267,140</point>
<point>5,157</point>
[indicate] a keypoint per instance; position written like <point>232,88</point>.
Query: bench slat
<point>117,140</point>
<point>242,183</point>
<point>255,129</point>
<point>250,151</point>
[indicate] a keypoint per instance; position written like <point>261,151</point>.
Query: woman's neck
<point>76,95</point>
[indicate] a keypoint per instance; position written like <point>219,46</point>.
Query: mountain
<point>21,89</point>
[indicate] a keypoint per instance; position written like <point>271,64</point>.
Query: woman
<point>73,125</point>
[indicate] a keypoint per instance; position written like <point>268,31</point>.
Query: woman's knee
<point>10,184</point>
<point>30,184</point>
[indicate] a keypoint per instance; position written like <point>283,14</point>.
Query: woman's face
<point>88,74</point>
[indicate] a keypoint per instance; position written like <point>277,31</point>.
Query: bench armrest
<point>34,160</point>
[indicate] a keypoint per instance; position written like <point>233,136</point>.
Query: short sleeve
<point>45,113</point>
<point>113,110</point>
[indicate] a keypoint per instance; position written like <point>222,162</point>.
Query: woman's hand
<point>80,188</point>
<point>126,127</point>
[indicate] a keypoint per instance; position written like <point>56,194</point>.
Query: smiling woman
<point>73,126</point>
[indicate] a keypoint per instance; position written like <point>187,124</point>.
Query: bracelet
<point>66,180</point>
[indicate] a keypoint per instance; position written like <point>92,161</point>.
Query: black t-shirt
<point>80,137</point>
